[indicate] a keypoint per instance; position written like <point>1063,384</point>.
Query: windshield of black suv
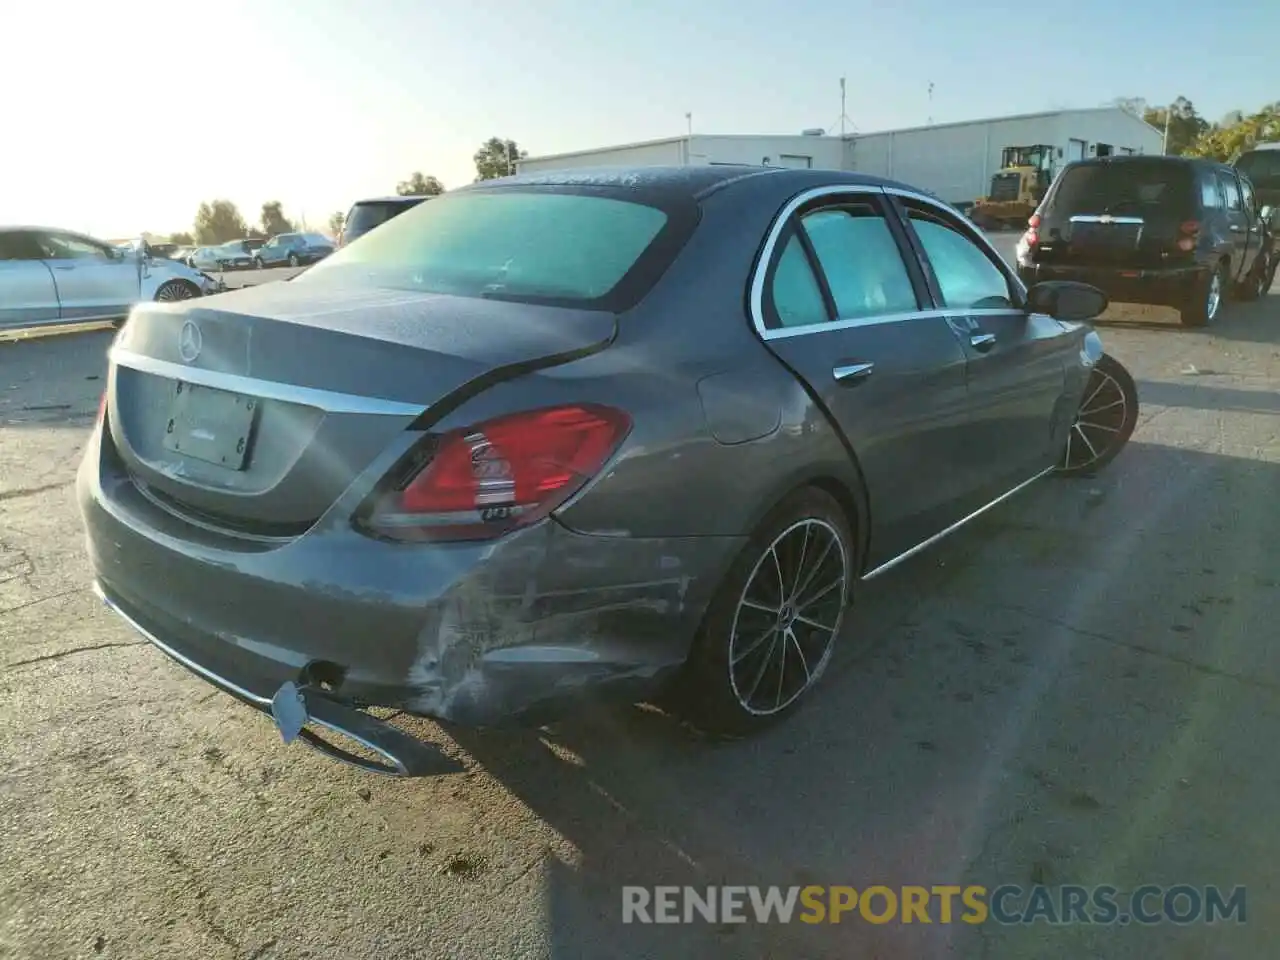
<point>1262,167</point>
<point>1126,187</point>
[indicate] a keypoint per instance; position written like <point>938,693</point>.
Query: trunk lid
<point>257,409</point>
<point>1122,212</point>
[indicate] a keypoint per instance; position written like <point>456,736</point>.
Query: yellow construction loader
<point>1017,188</point>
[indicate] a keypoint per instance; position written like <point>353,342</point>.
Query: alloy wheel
<point>788,616</point>
<point>174,291</point>
<point>1214,300</point>
<point>1099,423</point>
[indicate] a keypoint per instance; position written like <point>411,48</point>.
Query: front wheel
<point>176,290</point>
<point>1104,421</point>
<point>293,259</point>
<point>257,263</point>
<point>1258,282</point>
<point>770,630</point>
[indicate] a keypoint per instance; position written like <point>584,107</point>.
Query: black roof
<point>1123,158</point>
<point>668,183</point>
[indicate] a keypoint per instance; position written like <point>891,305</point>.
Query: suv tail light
<point>1029,240</point>
<point>483,481</point>
<point>102,406</point>
<point>1189,235</point>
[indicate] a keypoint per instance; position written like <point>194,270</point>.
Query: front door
<point>94,281</point>
<point>1017,362</point>
<point>1237,223</point>
<point>844,310</point>
<point>27,291</point>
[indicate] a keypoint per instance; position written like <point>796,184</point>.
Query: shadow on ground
<point>1057,695</point>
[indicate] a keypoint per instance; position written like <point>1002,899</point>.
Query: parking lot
<point>1078,688</point>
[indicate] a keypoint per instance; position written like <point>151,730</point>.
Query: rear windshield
<point>1262,167</point>
<point>580,247</point>
<point>365,216</point>
<point>1128,188</point>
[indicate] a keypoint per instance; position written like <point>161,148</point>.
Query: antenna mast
<point>930,102</point>
<point>842,110</point>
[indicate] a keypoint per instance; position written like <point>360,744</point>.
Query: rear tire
<point>257,263</point>
<point>1105,421</point>
<point>1205,305</point>
<point>293,260</point>
<point>770,630</point>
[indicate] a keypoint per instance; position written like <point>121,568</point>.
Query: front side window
<point>966,276</point>
<point>61,246</point>
<point>861,261</point>
<point>537,245</point>
<point>1246,189</point>
<point>20,245</point>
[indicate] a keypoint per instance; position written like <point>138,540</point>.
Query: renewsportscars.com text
<point>1007,904</point>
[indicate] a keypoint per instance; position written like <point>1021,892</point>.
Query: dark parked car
<point>1165,231</point>
<point>592,433</point>
<point>367,214</point>
<point>1262,167</point>
<point>293,249</point>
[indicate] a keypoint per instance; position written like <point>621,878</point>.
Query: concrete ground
<point>1080,687</point>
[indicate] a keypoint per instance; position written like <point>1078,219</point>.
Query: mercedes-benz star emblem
<point>189,342</point>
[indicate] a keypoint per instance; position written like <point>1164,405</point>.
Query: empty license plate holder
<point>212,425</point>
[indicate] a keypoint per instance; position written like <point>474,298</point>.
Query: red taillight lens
<point>1189,227</point>
<point>505,473</point>
<point>102,406</point>
<point>1034,222</point>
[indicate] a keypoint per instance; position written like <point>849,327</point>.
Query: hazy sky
<point>118,117</point>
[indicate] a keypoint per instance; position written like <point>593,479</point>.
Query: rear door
<point>94,281</point>
<point>845,311</point>
<point>28,294</point>
<point>1017,361</point>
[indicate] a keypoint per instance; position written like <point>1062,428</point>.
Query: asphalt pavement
<point>1079,688</point>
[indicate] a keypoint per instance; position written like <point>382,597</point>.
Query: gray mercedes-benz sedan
<point>581,433</point>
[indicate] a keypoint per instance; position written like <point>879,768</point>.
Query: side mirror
<point>1267,214</point>
<point>1067,300</point>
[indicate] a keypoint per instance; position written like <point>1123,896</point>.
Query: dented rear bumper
<point>473,633</point>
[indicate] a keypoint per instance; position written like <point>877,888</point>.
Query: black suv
<point>1165,231</point>
<point>367,214</point>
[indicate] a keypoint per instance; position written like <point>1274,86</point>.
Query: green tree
<point>1225,143</point>
<point>497,158</point>
<point>336,220</point>
<point>419,186</point>
<point>218,221</point>
<point>1185,124</point>
<point>273,219</point>
<point>182,239</point>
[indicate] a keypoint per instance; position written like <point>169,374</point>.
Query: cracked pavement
<point>1078,688</point>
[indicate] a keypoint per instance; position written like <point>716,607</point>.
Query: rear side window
<point>1210,192</point>
<point>365,216</point>
<point>796,295</point>
<point>1231,190</point>
<point>570,246</point>
<point>861,262</point>
<point>1126,188</point>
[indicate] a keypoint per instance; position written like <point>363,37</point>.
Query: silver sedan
<point>56,276</point>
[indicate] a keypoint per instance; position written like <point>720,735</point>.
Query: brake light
<point>486,480</point>
<point>1190,230</point>
<point>1034,222</point>
<point>102,406</point>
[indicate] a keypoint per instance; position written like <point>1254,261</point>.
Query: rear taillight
<point>486,480</point>
<point>1190,235</point>
<point>102,406</point>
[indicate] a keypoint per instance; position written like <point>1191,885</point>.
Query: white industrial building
<point>955,161</point>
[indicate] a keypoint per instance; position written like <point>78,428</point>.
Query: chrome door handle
<point>852,372</point>
<point>982,341</point>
